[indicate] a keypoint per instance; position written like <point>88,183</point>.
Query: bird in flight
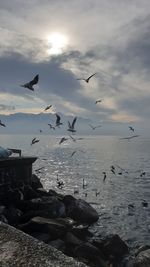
<point>71,126</point>
<point>48,107</point>
<point>30,84</point>
<point>51,126</point>
<point>58,118</point>
<point>87,80</point>
<point>104,178</point>
<point>131,128</point>
<point>2,124</point>
<point>130,137</point>
<point>75,139</point>
<point>63,139</point>
<point>98,101</point>
<point>94,127</point>
<point>34,140</point>
<point>112,168</point>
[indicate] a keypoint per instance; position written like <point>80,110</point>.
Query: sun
<point>57,43</point>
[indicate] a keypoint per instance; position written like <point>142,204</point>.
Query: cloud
<point>6,107</point>
<point>108,37</point>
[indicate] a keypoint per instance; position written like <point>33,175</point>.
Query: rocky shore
<point>63,222</point>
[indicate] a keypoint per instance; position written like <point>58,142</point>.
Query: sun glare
<point>57,43</point>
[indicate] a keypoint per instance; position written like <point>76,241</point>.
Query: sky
<point>65,40</point>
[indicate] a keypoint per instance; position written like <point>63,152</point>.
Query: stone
<point>80,210</point>
<point>142,259</point>
<point>112,247</point>
<point>90,252</point>
<point>35,182</point>
<point>58,244</point>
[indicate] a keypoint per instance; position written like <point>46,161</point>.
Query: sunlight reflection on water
<point>99,153</point>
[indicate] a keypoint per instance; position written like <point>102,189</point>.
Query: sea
<point>80,164</point>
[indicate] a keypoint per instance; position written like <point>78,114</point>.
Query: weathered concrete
<point>20,250</point>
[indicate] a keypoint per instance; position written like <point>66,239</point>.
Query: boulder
<point>89,252</point>
<point>112,247</point>
<point>80,210</point>
<point>51,227</point>
<point>142,259</point>
<point>36,183</point>
<point>51,207</point>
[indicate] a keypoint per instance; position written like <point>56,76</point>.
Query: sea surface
<point>95,155</point>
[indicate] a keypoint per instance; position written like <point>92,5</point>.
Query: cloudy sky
<point>68,39</point>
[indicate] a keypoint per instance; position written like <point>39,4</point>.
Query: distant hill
<point>28,123</point>
<point>25,123</point>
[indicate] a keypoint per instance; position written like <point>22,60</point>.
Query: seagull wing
<point>90,77</point>
<point>73,123</point>
<point>69,125</point>
<point>35,80</point>
<point>98,126</point>
<point>57,118</point>
<point>91,126</point>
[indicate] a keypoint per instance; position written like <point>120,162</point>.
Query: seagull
<point>130,137</point>
<point>104,176</point>
<point>73,153</point>
<point>84,183</point>
<point>51,126</point>
<point>131,128</point>
<point>112,169</point>
<point>30,84</point>
<point>58,118</point>
<point>63,139</point>
<point>98,101</point>
<point>75,139</point>
<point>40,131</point>
<point>87,80</point>
<point>34,140</point>
<point>71,126</point>
<point>48,107</point>
<point>2,124</point>
<point>94,127</point>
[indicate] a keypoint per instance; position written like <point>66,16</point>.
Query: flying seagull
<point>130,137</point>
<point>98,101</point>
<point>2,124</point>
<point>71,126</point>
<point>104,176</point>
<point>30,84</point>
<point>58,118</point>
<point>34,140</point>
<point>51,126</point>
<point>63,139</point>
<point>87,80</point>
<point>75,139</point>
<point>131,128</point>
<point>94,127</point>
<point>48,107</point>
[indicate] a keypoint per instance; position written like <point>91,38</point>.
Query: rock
<point>36,182</point>
<point>50,207</point>
<point>12,215</point>
<point>41,236</point>
<point>58,244</point>
<point>29,192</point>
<point>70,239</point>
<point>80,210</point>
<point>142,248</point>
<point>54,227</point>
<point>142,259</point>
<point>90,252</point>
<point>51,227</point>
<point>112,247</point>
